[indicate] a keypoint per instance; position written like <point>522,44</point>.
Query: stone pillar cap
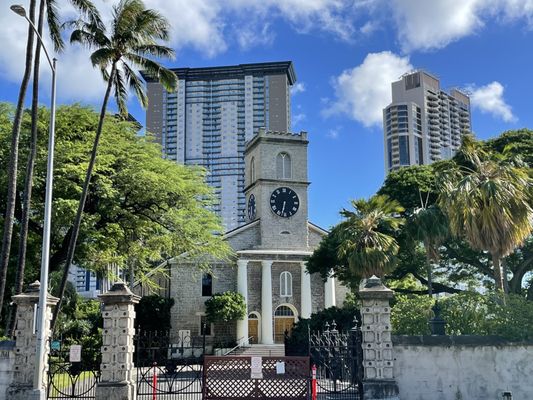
<point>31,295</point>
<point>373,288</point>
<point>119,293</point>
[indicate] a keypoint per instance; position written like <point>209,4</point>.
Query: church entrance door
<point>253,328</point>
<point>283,322</point>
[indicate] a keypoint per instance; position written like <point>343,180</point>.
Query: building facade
<point>423,124</point>
<point>271,248</point>
<point>211,116</point>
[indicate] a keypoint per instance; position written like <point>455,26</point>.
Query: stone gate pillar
<point>117,381</point>
<point>21,387</point>
<point>378,382</point>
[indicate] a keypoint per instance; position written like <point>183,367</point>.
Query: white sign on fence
<point>257,368</point>
<point>75,353</point>
<point>280,367</point>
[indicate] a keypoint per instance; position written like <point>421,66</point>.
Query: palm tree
<point>13,160</point>
<point>428,225</point>
<point>48,7</point>
<point>133,38</point>
<point>487,200</point>
<point>365,235</point>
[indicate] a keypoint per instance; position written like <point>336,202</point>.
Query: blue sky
<point>346,54</point>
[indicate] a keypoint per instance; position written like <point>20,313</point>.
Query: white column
<point>242,288</point>
<point>329,292</point>
<point>306,307</point>
<point>266,302</point>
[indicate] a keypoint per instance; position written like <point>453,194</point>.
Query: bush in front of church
<point>225,307</point>
<point>297,344</point>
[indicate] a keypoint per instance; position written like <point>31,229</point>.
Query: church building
<point>271,248</point>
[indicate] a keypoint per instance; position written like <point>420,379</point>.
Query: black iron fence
<point>169,368</point>
<point>337,359</point>
<point>73,370</point>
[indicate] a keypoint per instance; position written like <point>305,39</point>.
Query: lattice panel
<point>230,377</point>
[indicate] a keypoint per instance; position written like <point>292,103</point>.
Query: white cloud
<point>333,133</point>
<point>434,24</point>
<point>489,99</point>
<point>299,87</point>
<point>427,25</point>
<point>209,26</point>
<point>363,92</point>
<point>298,118</point>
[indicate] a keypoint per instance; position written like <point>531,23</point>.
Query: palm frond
<point>154,50</point>
<point>54,26</point>
<point>103,57</point>
<point>167,78</point>
<point>88,9</point>
<point>121,92</point>
<point>136,84</point>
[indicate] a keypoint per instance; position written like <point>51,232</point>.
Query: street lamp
<point>41,324</point>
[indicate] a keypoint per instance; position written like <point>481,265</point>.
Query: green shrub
<point>410,315</point>
<point>225,307</point>
<point>467,313</point>
<point>152,313</point>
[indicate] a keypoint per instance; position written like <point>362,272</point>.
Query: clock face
<point>251,207</point>
<point>284,202</point>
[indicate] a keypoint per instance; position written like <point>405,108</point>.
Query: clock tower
<point>276,188</point>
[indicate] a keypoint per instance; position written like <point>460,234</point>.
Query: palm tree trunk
<point>81,205</point>
<point>504,277</point>
<point>28,184</point>
<point>430,277</point>
<point>13,161</point>
<point>497,272</point>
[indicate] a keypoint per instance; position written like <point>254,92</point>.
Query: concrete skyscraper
<point>423,123</point>
<point>211,116</point>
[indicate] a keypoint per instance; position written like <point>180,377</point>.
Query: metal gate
<point>232,378</point>
<point>166,370</point>
<point>72,380</point>
<point>338,359</point>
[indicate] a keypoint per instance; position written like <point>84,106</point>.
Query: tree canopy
<point>141,208</point>
<point>459,266</point>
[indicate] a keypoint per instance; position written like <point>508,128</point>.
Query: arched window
<point>283,166</point>
<point>283,311</point>
<point>207,285</point>
<point>252,170</point>
<point>285,284</point>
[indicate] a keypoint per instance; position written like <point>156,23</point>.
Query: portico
<point>271,298</point>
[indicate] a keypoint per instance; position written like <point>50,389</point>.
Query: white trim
<point>285,286</point>
<point>317,228</point>
<point>271,252</point>
<point>292,307</point>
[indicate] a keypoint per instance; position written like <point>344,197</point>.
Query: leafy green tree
<point>488,203</point>
<point>412,186</point>
<point>152,313</point>
<point>225,307</point>
<point>49,8</point>
<point>140,207</point>
<point>410,315</point>
<point>133,39</point>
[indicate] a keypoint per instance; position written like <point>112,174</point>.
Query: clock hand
<point>283,208</point>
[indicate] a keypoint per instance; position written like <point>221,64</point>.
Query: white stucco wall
<point>7,357</point>
<point>463,372</point>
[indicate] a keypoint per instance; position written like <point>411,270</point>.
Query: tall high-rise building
<point>211,116</point>
<point>423,123</point>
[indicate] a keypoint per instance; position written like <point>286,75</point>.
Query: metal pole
<point>40,362</point>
